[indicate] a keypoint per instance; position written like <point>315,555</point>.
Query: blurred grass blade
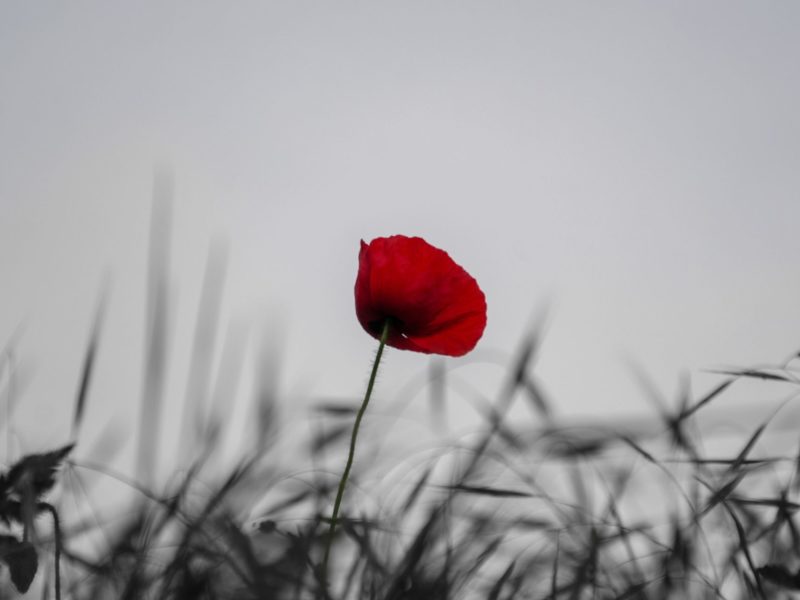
<point>494,593</point>
<point>88,363</point>
<point>757,374</point>
<point>742,456</point>
<point>225,385</point>
<point>203,345</point>
<point>156,330</point>
<point>489,491</point>
<point>709,397</point>
<point>265,400</point>
<point>437,384</point>
<point>413,496</point>
<point>720,495</point>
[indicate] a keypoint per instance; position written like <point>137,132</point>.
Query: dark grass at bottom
<point>558,512</point>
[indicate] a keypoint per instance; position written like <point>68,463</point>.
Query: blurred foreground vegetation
<point>557,512</point>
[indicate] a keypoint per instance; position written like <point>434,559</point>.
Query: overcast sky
<point>632,166</point>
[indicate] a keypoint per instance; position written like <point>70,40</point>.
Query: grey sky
<point>634,165</point>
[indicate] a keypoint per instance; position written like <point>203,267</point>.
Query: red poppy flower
<point>433,305</point>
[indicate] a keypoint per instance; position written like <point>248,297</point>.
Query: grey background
<point>633,166</point>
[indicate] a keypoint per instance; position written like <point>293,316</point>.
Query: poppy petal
<point>435,306</point>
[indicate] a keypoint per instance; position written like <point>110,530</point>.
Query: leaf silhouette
<point>34,475</point>
<point>21,560</point>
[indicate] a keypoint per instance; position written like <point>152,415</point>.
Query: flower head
<point>432,304</point>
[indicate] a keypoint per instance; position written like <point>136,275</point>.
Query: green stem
<point>343,482</point>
